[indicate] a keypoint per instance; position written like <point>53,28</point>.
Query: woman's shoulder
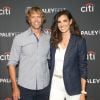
<point>78,37</point>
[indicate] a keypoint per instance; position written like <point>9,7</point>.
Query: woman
<point>68,59</point>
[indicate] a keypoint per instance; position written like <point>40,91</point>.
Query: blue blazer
<point>75,64</point>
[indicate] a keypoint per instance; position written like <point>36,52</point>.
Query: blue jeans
<point>27,94</point>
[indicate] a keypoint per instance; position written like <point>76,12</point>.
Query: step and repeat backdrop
<point>85,12</point>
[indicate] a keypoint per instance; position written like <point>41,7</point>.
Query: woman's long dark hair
<point>56,35</point>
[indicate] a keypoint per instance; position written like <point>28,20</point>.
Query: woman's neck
<point>65,40</point>
<point>66,36</point>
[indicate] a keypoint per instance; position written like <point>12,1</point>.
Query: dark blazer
<point>75,64</point>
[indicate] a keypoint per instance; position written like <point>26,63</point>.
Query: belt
<point>58,76</point>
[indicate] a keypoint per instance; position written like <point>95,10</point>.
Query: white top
<point>59,59</point>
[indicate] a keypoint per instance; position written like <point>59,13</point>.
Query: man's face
<point>35,20</point>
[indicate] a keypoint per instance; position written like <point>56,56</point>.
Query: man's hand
<point>16,93</point>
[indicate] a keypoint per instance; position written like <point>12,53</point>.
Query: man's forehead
<point>36,12</point>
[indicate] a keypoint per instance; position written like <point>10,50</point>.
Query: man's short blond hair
<point>31,10</point>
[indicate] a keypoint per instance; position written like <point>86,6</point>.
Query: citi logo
<point>6,10</point>
<point>91,55</point>
<point>88,7</point>
<point>4,56</point>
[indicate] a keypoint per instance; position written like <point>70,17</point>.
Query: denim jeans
<point>27,94</point>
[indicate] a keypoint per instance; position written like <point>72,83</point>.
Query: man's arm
<point>15,89</point>
<point>12,74</point>
<point>13,61</point>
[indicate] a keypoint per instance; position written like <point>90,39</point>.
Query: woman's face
<point>64,24</point>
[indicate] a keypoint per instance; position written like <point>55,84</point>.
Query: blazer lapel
<point>69,48</point>
<point>53,50</point>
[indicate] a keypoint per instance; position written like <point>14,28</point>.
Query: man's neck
<point>37,32</point>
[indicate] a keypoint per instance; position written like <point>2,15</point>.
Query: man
<point>31,50</point>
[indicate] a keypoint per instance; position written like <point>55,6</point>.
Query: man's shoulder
<point>47,34</point>
<point>20,38</point>
<point>22,35</point>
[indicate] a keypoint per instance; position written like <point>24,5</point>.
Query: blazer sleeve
<point>83,58</point>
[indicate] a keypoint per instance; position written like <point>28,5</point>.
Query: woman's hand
<point>82,97</point>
